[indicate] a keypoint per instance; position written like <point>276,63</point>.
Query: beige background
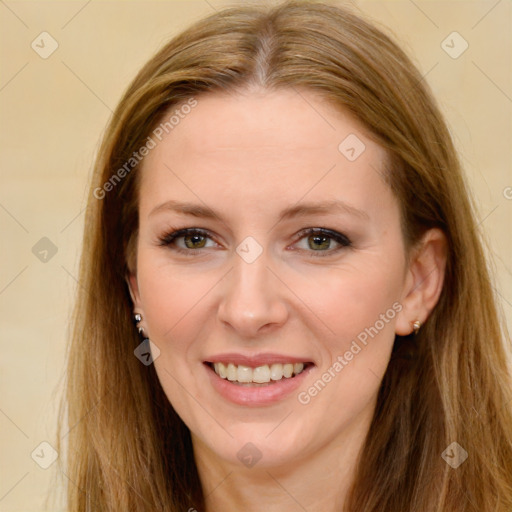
<point>54,110</point>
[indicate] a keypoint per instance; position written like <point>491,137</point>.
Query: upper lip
<point>255,360</point>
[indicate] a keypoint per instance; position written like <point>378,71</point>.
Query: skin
<point>247,157</point>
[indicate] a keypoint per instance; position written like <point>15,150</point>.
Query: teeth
<point>221,369</point>
<point>276,372</point>
<point>260,375</point>
<point>231,372</point>
<point>244,373</point>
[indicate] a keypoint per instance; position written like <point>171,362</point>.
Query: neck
<point>318,481</point>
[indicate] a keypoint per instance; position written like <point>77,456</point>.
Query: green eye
<point>319,240</point>
<point>194,239</point>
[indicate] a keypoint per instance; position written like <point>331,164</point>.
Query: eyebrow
<point>299,210</point>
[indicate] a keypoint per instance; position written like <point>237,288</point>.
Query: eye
<point>319,240</point>
<point>193,239</point>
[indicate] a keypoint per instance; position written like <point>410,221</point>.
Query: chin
<point>260,445</point>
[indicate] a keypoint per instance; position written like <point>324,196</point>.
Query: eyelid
<point>341,238</point>
<point>173,234</point>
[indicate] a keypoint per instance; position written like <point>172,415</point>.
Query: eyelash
<point>170,238</point>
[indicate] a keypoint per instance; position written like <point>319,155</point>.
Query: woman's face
<point>255,291</point>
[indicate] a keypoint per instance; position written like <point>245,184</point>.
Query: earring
<point>137,319</point>
<point>416,326</point>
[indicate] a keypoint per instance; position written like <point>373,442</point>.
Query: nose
<point>253,299</point>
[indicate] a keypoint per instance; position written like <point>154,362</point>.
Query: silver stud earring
<point>137,318</point>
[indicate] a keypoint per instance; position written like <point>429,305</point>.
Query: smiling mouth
<point>261,375</point>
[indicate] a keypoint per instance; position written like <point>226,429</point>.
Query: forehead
<point>277,146</point>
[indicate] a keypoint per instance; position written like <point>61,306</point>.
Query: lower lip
<point>258,395</point>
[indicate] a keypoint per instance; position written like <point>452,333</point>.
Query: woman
<point>285,303</point>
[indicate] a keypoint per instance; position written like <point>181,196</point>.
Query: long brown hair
<point>128,449</point>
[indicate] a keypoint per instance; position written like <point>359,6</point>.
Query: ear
<point>133,286</point>
<point>424,281</point>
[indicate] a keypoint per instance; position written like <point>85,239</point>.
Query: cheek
<point>170,297</point>
<point>359,305</point>
<point>348,301</point>
<point>173,303</point>
<point>360,310</point>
